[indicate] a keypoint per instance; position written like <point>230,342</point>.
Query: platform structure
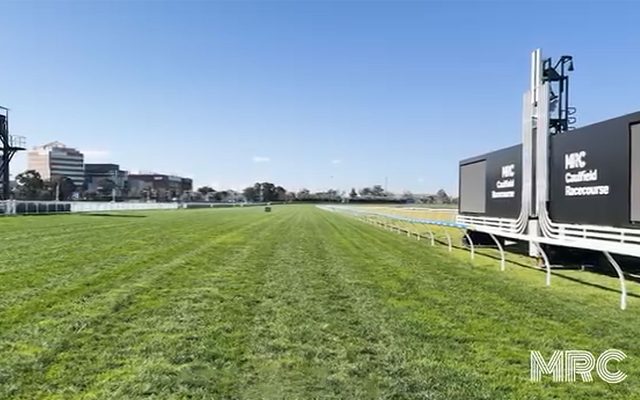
<point>547,116</point>
<point>560,187</point>
<point>9,146</point>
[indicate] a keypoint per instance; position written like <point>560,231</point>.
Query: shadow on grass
<point>560,275</point>
<point>113,215</point>
<point>542,270</point>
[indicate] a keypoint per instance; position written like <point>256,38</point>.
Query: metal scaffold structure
<point>10,145</point>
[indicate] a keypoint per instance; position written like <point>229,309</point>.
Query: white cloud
<point>336,162</point>
<point>261,159</point>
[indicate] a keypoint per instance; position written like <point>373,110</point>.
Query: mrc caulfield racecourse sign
<point>504,187</point>
<point>580,179</point>
<point>500,174</point>
<point>503,180</point>
<point>589,174</point>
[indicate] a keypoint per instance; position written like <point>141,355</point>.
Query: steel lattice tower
<point>9,146</point>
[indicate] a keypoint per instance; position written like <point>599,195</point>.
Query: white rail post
<point>466,234</point>
<point>623,286</point>
<point>403,226</point>
<point>495,239</point>
<point>415,229</point>
<point>546,262</point>
<point>448,240</point>
<point>433,238</point>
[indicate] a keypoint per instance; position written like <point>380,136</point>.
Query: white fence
<point>14,207</point>
<point>85,206</point>
<point>22,207</point>
<point>394,222</point>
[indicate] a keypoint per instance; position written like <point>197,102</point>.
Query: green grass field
<point>299,303</point>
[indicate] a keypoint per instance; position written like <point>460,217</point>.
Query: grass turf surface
<point>296,304</point>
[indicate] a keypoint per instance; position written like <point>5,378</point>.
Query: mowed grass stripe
<point>165,336</point>
<point>97,312</point>
<point>17,247</point>
<point>320,331</point>
<point>299,303</point>
<point>104,252</point>
<point>19,236</point>
<point>484,323</point>
<point>79,280</point>
<point>23,231</point>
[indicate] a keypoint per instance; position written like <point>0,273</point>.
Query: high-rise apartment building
<point>57,160</point>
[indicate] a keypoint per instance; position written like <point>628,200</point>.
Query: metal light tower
<point>556,74</point>
<point>9,145</point>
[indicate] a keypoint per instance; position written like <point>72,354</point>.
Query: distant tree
<point>429,199</point>
<point>332,194</point>
<point>378,190</point>
<point>233,196</point>
<point>65,187</point>
<point>408,196</point>
<point>252,193</point>
<point>280,193</point>
<point>265,191</point>
<point>30,185</point>
<point>268,191</point>
<point>353,194</point>
<point>222,195</point>
<point>194,196</point>
<point>205,190</point>
<point>443,197</point>
<point>290,196</point>
<point>105,187</point>
<point>303,194</point>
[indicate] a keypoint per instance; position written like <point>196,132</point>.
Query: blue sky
<point>303,94</point>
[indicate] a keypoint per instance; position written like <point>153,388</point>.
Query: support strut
<point>623,286</point>
<point>495,239</point>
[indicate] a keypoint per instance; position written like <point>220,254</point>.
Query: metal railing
<point>17,141</point>
<point>393,222</point>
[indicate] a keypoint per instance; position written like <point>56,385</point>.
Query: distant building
<point>98,177</point>
<point>57,160</point>
<point>158,186</point>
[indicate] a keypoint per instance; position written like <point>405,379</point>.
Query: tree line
<point>270,192</point>
<point>31,186</point>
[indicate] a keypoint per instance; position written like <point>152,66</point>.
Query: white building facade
<point>57,160</point>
